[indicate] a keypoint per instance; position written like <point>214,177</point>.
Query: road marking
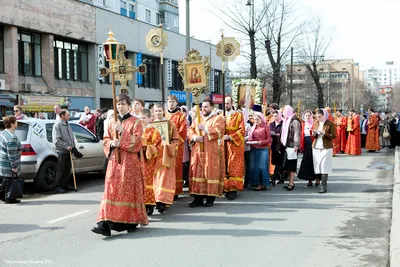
<point>68,216</point>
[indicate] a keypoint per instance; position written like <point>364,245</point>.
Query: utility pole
<point>188,103</point>
<point>329,84</point>
<point>291,77</point>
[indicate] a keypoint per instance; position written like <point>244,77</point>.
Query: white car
<point>39,159</point>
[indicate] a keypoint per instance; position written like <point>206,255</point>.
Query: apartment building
<point>388,74</point>
<point>51,53</point>
<point>338,78</point>
<point>155,12</point>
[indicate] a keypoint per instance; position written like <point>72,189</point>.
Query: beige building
<point>339,78</point>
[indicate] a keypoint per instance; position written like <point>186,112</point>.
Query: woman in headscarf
<point>324,132</point>
<point>306,171</point>
<point>247,148</point>
<point>290,139</point>
<point>384,127</point>
<point>186,150</point>
<point>260,140</point>
<point>277,150</point>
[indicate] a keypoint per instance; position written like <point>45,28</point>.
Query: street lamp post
<point>188,104</point>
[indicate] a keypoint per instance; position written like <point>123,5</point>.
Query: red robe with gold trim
<point>179,119</point>
<point>353,146</point>
<point>151,141</point>
<point>207,167</point>
<point>235,151</point>
<point>165,175</point>
<point>372,142</point>
<point>124,189</point>
<point>340,141</point>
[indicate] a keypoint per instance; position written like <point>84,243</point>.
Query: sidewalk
<point>395,229</point>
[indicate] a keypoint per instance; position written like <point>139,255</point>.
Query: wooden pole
<point>199,119</point>
<point>224,112</point>
<point>115,109</point>
<point>73,170</point>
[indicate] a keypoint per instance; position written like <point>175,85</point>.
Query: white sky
<point>365,30</point>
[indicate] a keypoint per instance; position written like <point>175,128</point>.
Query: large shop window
<point>70,61</point>
<point>152,77</point>
<point>177,83</point>
<point>29,54</point>
<point>1,49</point>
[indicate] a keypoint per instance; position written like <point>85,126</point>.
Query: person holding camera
<point>10,160</point>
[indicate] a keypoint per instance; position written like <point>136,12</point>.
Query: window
<point>82,135</point>
<point>148,15</point>
<point>158,20</point>
<point>70,60</point>
<point>171,19</point>
<point>152,77</point>
<point>177,83</point>
<point>217,82</point>
<point>1,49</point>
<point>132,11</point>
<point>29,54</point>
<point>123,10</point>
<point>49,132</point>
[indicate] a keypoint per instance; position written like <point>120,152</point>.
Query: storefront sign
<point>41,103</point>
<point>169,72</point>
<point>181,96</point>
<point>139,60</point>
<point>217,98</point>
<point>100,60</point>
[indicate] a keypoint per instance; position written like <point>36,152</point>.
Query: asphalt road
<point>348,226</point>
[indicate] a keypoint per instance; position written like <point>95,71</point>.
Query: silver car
<point>39,159</point>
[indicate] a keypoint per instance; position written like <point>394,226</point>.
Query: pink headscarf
<point>288,113</point>
<point>259,114</point>
<point>310,121</point>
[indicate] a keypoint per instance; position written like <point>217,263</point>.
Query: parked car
<point>39,159</point>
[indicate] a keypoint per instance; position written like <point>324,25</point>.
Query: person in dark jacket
<point>100,123</point>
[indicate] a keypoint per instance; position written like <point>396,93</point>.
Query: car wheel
<point>46,177</point>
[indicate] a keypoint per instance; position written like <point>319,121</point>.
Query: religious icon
<point>103,71</point>
<point>195,74</point>
<point>162,127</point>
<point>247,95</point>
<point>156,40</point>
<point>122,70</point>
<point>228,50</point>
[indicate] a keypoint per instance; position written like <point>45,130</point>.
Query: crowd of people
<point>154,153</point>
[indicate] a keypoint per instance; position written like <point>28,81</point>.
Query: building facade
<point>50,54</point>
<point>388,74</point>
<point>339,79</point>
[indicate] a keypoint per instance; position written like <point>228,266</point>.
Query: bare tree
<point>316,43</point>
<point>246,20</point>
<point>395,98</point>
<point>279,32</point>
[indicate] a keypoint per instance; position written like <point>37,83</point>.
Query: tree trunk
<point>276,75</point>
<point>315,76</point>
<point>253,64</point>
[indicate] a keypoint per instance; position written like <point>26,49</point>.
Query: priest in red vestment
<point>234,141</point>
<point>207,164</point>
<point>165,175</point>
<point>175,115</point>
<point>152,152</point>
<point>372,144</point>
<point>122,207</point>
<point>340,142</point>
<point>353,146</point>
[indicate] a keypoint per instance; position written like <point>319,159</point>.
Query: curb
<point>395,229</point>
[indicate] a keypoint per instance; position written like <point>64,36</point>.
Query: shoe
<point>160,208</point>
<point>317,184</point>
<point>132,229</point>
<point>101,231</point>
<point>60,190</point>
<point>322,191</point>
<point>230,195</point>
<point>263,188</point>
<point>195,203</point>
<point>309,184</point>
<point>209,204</point>
<point>70,188</point>
<point>290,187</point>
<point>12,201</point>
<point>150,210</point>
